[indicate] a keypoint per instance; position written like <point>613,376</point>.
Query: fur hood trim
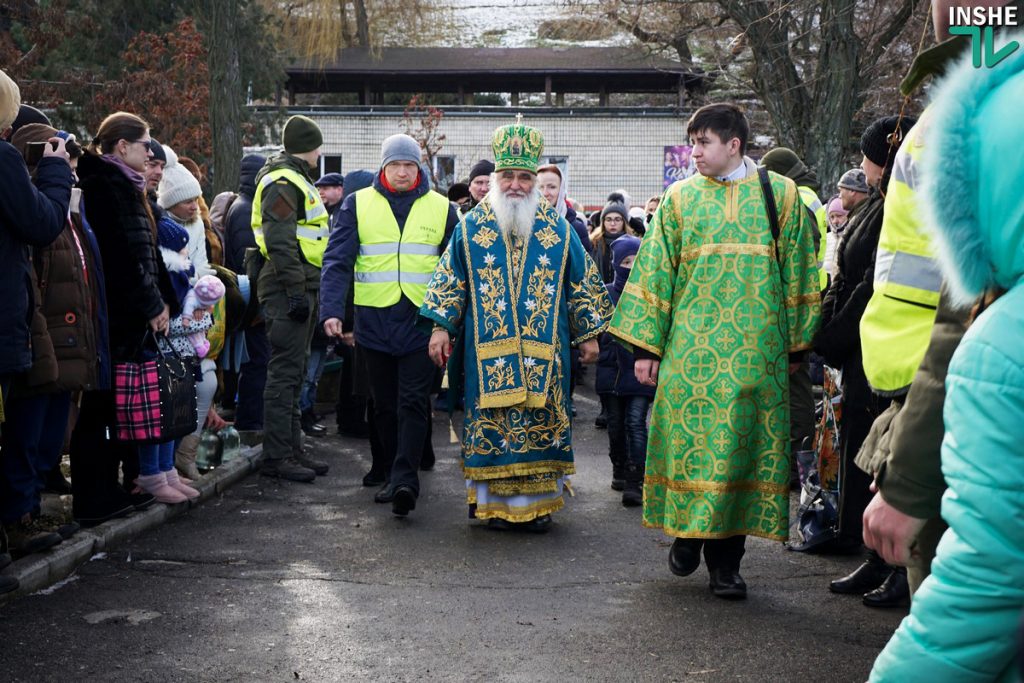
<point>970,197</point>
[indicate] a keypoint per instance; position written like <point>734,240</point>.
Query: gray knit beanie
<point>400,147</point>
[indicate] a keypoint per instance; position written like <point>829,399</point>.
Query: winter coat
<point>238,234</point>
<point>135,278</point>
<point>964,618</point>
<point>28,216</point>
<point>607,367</point>
<point>838,339</point>
<point>580,226</point>
<point>97,293</point>
<point>64,336</point>
<point>395,329</point>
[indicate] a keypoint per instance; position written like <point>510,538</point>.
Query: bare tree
<point>422,123</point>
<point>812,64</point>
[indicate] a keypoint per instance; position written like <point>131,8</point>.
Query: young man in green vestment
<point>719,312</point>
<point>515,289</point>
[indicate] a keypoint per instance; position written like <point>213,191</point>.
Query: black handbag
<point>155,400</point>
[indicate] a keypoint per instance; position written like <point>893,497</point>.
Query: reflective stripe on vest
<point>311,231</point>
<point>811,201</point>
<point>393,262</point>
<point>897,322</point>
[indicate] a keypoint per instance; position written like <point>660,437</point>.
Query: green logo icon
<point>983,52</point>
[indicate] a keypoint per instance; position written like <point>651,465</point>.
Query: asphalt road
<point>284,582</point>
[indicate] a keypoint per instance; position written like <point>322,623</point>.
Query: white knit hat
<point>178,184</point>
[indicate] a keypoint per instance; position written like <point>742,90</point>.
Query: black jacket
<point>238,235</point>
<point>136,280</point>
<point>838,340</point>
<point>27,217</point>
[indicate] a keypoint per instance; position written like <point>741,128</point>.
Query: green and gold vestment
<point>708,295</point>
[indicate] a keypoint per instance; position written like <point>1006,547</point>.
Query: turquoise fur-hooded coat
<point>964,620</point>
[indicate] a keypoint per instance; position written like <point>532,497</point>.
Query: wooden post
<point>470,100</point>
<point>365,97</point>
<point>462,95</point>
<point>515,99</point>
<point>547,91</point>
<point>602,97</point>
<point>560,99</point>
<point>291,95</point>
<point>682,91</point>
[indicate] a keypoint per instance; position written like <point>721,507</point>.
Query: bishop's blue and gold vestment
<point>514,309</point>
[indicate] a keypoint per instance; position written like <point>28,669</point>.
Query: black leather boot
<point>895,592</point>
<point>684,556</point>
<point>633,492</point>
<point>867,577</point>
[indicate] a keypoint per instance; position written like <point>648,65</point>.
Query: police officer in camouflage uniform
<point>290,224</point>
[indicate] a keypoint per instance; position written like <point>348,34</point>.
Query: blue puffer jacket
<point>27,217</point>
<point>964,619</point>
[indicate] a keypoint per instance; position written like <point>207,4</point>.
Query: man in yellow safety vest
<point>289,222</point>
<point>387,241</point>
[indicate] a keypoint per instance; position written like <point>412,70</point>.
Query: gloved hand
<point>298,308</point>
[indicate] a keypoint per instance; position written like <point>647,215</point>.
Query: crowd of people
<point>708,312</point>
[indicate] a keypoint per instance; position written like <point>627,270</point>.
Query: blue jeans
<point>32,439</point>
<point>627,429</point>
<point>156,458</point>
<point>314,370</point>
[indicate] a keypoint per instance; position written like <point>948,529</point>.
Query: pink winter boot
<point>156,485</point>
<point>175,482</point>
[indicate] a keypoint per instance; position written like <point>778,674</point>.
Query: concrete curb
<point>41,570</point>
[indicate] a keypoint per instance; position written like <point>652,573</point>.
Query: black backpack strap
<point>769,205</point>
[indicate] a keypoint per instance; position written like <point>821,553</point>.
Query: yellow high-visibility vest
<point>311,230</point>
<point>811,201</point>
<point>898,320</point>
<point>393,262</point>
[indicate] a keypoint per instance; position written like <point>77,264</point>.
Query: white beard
<point>515,216</point>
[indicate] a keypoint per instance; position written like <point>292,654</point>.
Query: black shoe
<point>871,574</point>
<point>499,524</point>
<point>538,525</point>
<point>319,467</point>
<point>56,483</point>
<point>5,559</point>
<point>403,501</point>
<point>310,426</point>
<point>601,421</point>
<point>8,584</point>
<point>287,468</point>
<point>141,501</point>
<point>728,584</point>
<point>684,556</point>
<point>96,515</point>
<point>385,495</point>
<point>632,497</point>
<point>372,478</point>
<point>68,530</point>
<point>618,478</point>
<point>895,592</point>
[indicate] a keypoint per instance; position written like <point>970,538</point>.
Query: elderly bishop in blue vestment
<point>514,291</point>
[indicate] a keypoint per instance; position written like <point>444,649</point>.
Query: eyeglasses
<point>140,142</point>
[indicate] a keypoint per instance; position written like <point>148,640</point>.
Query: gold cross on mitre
<point>519,119</point>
